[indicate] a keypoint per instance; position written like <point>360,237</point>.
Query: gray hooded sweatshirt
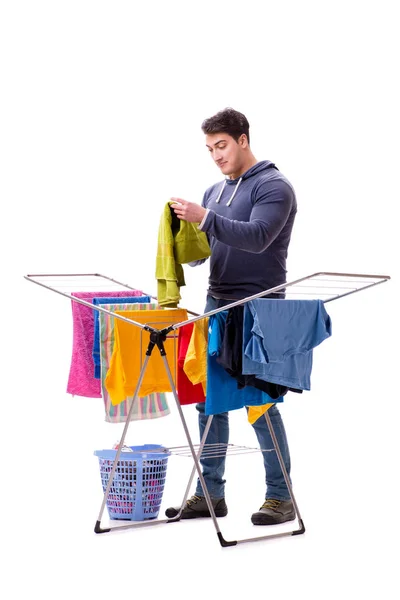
<point>248,224</point>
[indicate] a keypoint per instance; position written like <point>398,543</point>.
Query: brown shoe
<point>196,507</point>
<point>273,512</point>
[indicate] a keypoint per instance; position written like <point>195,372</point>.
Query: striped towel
<point>150,406</point>
<point>96,341</point>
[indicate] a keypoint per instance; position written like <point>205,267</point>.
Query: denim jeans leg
<point>276,485</point>
<point>213,468</point>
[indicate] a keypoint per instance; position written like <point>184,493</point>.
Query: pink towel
<point>81,381</point>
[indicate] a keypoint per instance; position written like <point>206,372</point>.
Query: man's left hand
<point>188,211</point>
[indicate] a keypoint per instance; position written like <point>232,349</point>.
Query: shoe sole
<point>170,513</point>
<point>261,519</point>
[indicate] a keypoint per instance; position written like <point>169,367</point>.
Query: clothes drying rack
<point>325,286</point>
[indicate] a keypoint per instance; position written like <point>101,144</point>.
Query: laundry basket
<point>138,484</point>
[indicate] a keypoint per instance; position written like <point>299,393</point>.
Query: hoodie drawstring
<point>233,195</point>
<point>222,189</point>
<point>234,192</point>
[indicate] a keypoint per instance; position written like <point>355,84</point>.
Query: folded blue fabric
<point>96,340</point>
<point>279,337</point>
<point>222,392</point>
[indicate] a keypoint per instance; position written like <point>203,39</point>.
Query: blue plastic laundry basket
<point>138,485</point>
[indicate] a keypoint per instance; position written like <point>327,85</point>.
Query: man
<point>248,219</point>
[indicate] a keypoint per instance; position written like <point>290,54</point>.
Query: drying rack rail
<point>216,450</point>
<point>324,286</point>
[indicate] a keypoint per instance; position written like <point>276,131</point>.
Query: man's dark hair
<point>228,121</point>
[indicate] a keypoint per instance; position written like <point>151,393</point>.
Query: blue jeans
<point>213,468</point>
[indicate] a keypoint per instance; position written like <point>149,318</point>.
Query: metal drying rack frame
<point>315,285</point>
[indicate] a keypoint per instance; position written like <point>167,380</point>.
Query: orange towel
<point>129,353</point>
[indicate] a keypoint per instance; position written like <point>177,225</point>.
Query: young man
<point>248,218</point>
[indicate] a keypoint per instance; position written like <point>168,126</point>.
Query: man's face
<point>226,152</point>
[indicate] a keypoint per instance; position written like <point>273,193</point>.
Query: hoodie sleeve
<point>271,209</point>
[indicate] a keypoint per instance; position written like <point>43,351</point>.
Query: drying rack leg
<point>196,458</point>
<point>202,443</point>
<point>285,475</point>
<point>301,528</point>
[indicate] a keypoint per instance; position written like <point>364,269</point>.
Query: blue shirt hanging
<point>222,393</point>
<point>279,337</point>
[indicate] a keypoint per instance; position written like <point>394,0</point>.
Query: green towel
<point>179,242</point>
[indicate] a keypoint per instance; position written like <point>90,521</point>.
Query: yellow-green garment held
<point>179,242</point>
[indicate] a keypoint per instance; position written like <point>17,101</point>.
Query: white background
<point>101,107</point>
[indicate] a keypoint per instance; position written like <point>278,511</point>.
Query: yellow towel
<point>129,352</point>
<point>195,365</point>
<point>255,412</point>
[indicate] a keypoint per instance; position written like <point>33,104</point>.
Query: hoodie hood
<point>263,165</point>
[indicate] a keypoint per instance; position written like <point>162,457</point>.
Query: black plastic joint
<point>98,529</point>
<point>301,530</point>
<point>223,542</point>
<point>157,338</point>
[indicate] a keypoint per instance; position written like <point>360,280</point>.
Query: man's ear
<point>243,142</point>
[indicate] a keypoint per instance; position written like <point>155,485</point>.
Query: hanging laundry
<point>129,353</point>
<point>96,313</point>
<point>255,412</point>
<point>231,354</point>
<point>179,242</point>
<point>151,406</point>
<point>223,393</point>
<point>230,359</point>
<point>279,337</point>
<point>195,365</point>
<point>187,392</point>
<point>81,380</point>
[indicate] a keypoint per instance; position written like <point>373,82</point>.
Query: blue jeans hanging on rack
<point>213,468</point>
